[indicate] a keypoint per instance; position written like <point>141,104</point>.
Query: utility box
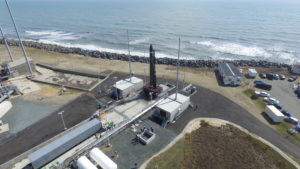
<point>274,114</point>
<point>252,73</point>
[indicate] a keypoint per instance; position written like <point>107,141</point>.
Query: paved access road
<point>210,104</point>
<point>214,105</point>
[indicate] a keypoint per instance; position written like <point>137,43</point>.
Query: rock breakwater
<point>165,61</point>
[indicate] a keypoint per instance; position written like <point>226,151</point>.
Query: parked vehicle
<point>274,114</point>
<point>297,128</point>
<point>262,85</point>
<point>263,94</point>
<point>297,91</point>
<point>262,75</point>
<point>281,77</point>
<point>292,120</point>
<point>292,79</point>
<point>271,100</point>
<point>277,105</point>
<point>286,113</point>
<point>276,76</point>
<point>270,76</point>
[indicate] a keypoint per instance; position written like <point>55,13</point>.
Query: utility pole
<point>62,118</point>
<point>129,56</point>
<point>6,45</point>
<point>21,43</point>
<point>177,69</point>
<point>116,88</point>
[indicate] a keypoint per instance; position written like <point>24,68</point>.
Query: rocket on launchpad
<point>152,87</point>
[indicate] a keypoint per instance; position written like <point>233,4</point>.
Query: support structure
<point>129,57</point>
<point>177,74</point>
<point>21,43</point>
<point>6,45</point>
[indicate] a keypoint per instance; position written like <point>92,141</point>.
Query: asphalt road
<point>210,104</point>
<point>214,105</point>
<point>74,112</point>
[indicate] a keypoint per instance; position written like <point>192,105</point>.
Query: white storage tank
<point>84,163</point>
<point>5,106</point>
<point>274,114</point>
<point>102,160</point>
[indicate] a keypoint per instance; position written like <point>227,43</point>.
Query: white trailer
<point>102,160</point>
<point>252,73</point>
<point>84,163</point>
<point>127,86</point>
<point>138,83</point>
<point>274,114</point>
<point>5,106</point>
<point>170,108</point>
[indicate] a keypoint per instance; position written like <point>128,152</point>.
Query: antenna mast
<point>6,45</point>
<point>21,43</point>
<point>178,64</point>
<point>129,56</point>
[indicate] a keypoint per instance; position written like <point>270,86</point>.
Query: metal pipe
<point>6,45</point>
<point>177,70</point>
<point>21,43</point>
<point>129,57</point>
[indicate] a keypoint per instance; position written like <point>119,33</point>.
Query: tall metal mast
<point>129,56</point>
<point>21,43</point>
<point>178,64</point>
<point>6,45</point>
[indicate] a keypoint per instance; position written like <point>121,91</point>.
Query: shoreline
<point>124,57</point>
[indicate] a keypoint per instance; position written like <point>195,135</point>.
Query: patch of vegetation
<point>171,159</point>
<point>283,127</point>
<point>258,100</point>
<point>218,148</point>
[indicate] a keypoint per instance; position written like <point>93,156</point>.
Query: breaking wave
<point>102,49</point>
<point>251,51</point>
<point>236,49</point>
<point>140,41</point>
<point>52,35</point>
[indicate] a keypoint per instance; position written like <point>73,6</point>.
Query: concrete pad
<point>124,112</point>
<point>24,113</point>
<point>24,85</point>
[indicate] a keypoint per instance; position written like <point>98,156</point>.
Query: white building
<point>169,109</point>
<point>296,68</point>
<point>230,75</point>
<point>274,114</point>
<point>126,87</point>
<point>252,73</point>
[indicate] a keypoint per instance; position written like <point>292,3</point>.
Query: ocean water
<point>217,29</point>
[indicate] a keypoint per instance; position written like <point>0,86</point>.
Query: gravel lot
<point>283,91</point>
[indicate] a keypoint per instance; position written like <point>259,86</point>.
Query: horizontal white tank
<point>85,163</point>
<point>102,160</point>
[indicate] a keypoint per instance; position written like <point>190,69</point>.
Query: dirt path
<point>195,124</point>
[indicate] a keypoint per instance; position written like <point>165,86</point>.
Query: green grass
<point>258,100</point>
<point>282,129</point>
<point>170,159</point>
